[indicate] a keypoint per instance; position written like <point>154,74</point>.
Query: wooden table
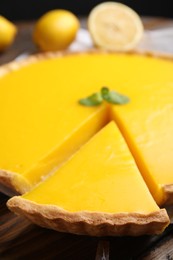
<point>19,239</point>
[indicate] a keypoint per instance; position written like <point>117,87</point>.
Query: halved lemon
<point>115,26</point>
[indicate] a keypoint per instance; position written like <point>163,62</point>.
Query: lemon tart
<point>99,191</point>
<point>42,123</point>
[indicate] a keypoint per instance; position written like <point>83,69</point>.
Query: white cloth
<point>160,40</point>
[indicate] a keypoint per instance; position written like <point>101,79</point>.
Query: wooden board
<point>19,239</point>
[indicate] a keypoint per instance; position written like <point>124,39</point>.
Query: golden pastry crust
<point>8,183</point>
<point>168,194</point>
<point>90,223</point>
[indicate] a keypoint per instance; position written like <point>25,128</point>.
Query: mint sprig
<point>107,95</point>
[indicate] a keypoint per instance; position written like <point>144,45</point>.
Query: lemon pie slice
<point>98,192</point>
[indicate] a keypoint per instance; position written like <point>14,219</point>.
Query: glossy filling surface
<point>101,176</point>
<point>41,118</point>
<point>147,126</point>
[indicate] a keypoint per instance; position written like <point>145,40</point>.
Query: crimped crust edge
<point>12,183</point>
<point>168,194</point>
<point>90,223</point>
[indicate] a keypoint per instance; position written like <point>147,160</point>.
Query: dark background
<point>31,9</point>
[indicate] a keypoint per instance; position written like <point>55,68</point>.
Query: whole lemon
<point>7,33</point>
<point>55,30</point>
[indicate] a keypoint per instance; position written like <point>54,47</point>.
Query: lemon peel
<point>7,33</point>
<point>55,30</point>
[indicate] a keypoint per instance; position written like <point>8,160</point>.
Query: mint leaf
<point>105,94</point>
<point>114,97</point>
<point>93,100</point>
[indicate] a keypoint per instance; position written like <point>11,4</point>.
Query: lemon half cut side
<point>115,26</point>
